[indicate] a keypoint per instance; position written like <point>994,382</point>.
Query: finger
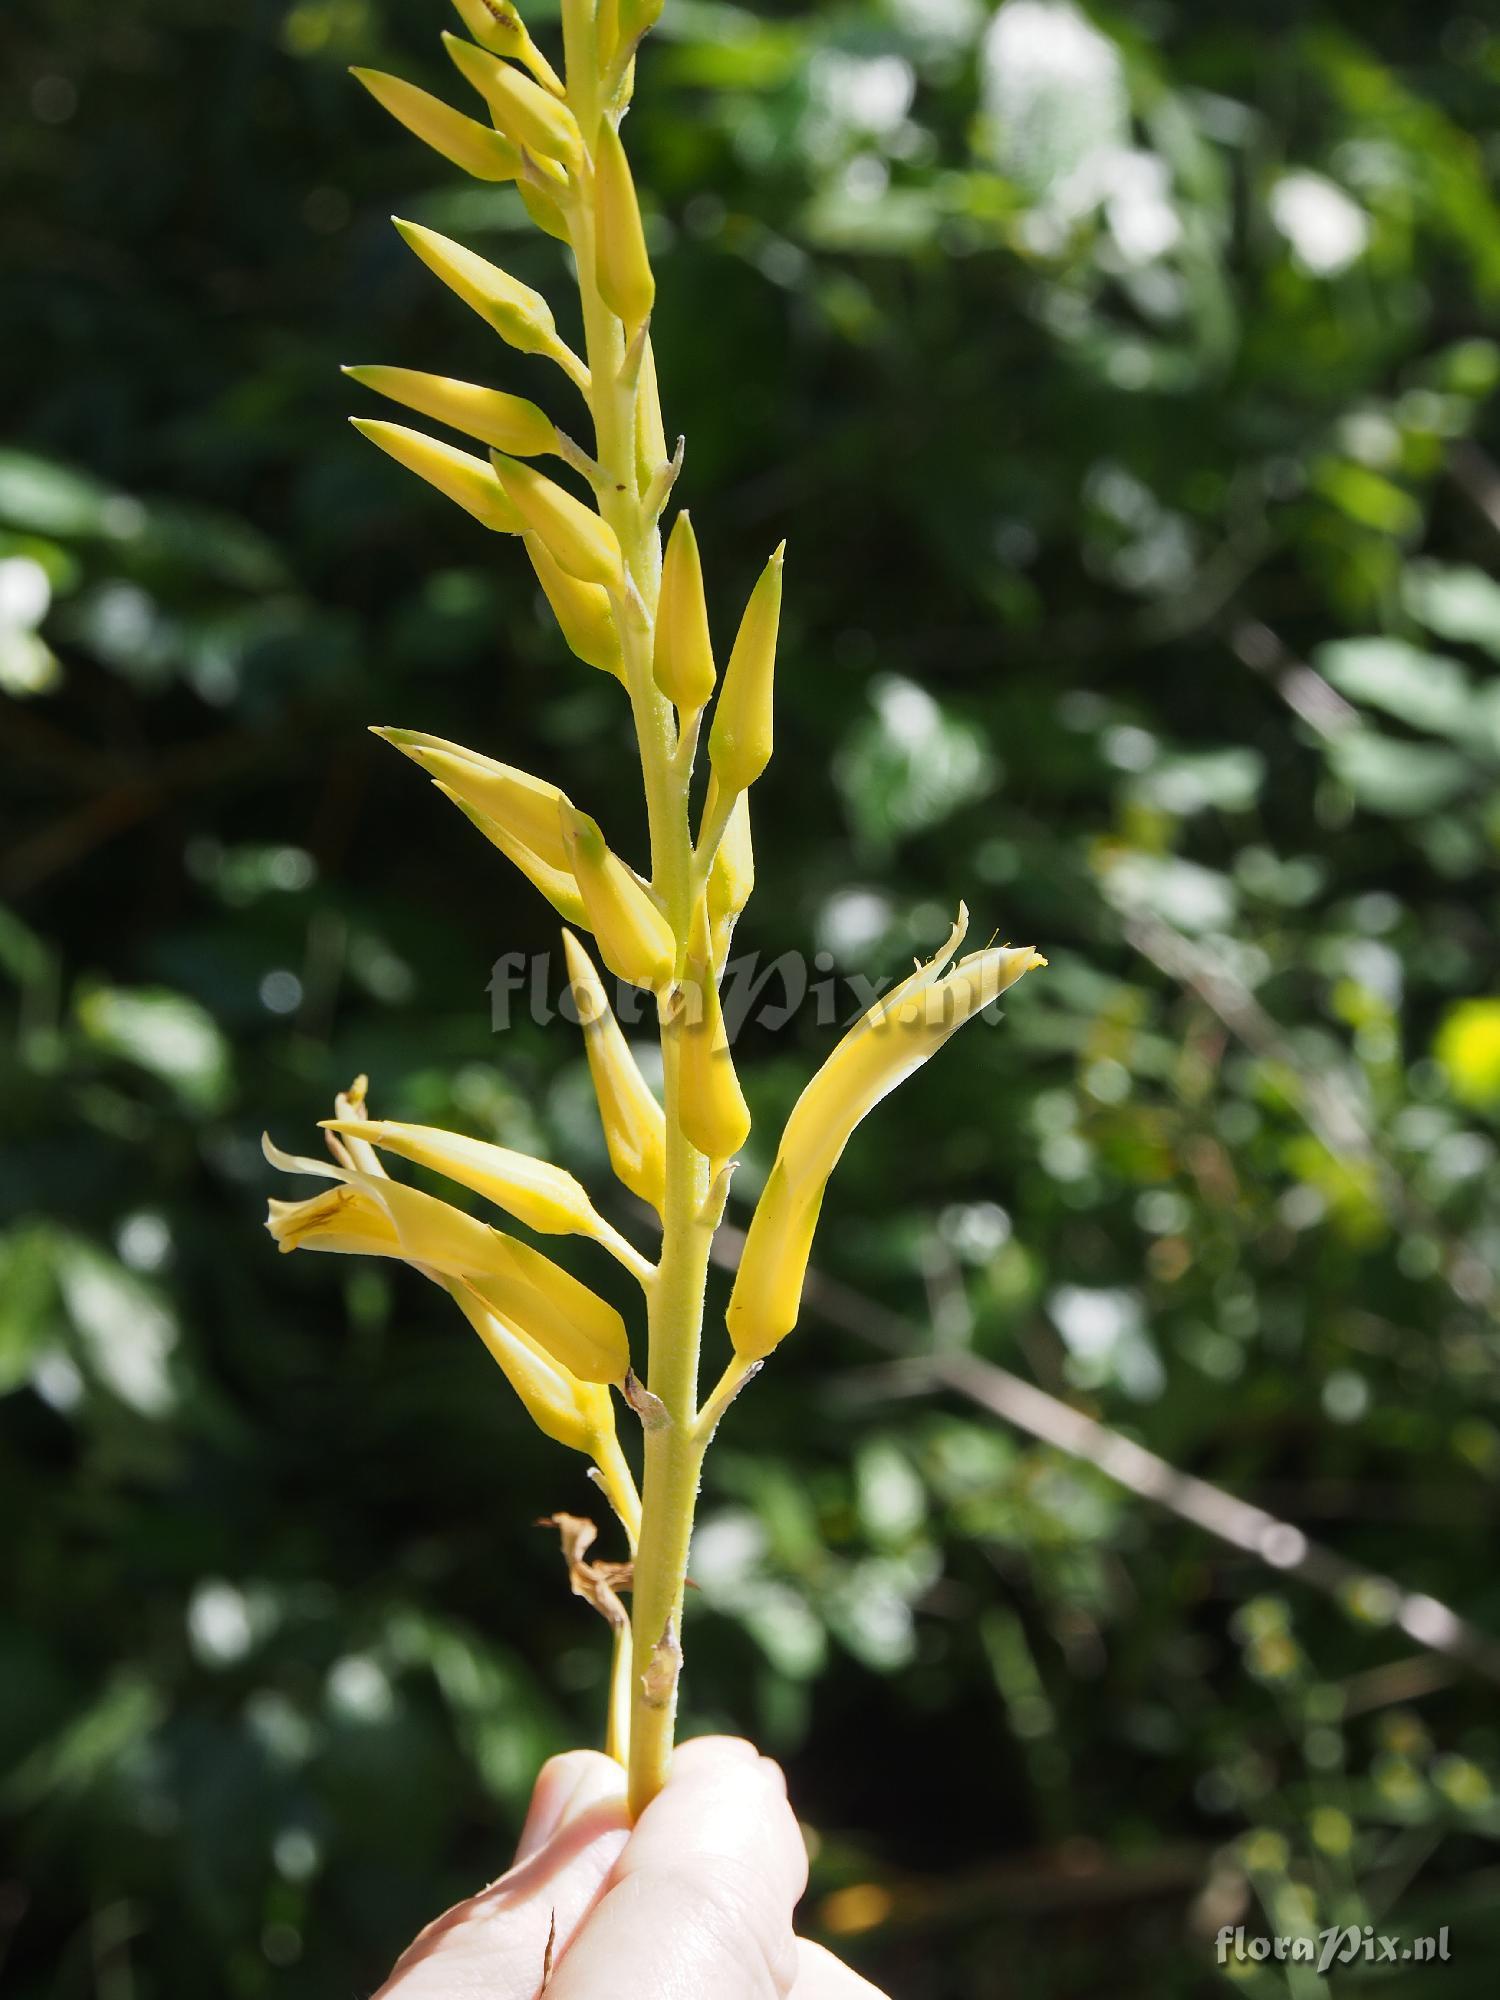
<point>584,1773</point>
<point>496,1943</point>
<point>821,1976</point>
<point>700,1901</point>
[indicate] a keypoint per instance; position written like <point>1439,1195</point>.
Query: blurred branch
<point>130,792</point>
<point>1329,1107</point>
<point>1252,1530</point>
<point>1477,477</point>
<point>1300,686</point>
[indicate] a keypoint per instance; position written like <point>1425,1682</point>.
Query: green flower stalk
<point>593,537</point>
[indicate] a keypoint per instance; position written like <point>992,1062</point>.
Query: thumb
<point>700,1901</point>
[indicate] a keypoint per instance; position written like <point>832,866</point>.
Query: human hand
<point>693,1903</point>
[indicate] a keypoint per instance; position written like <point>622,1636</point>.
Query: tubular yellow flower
<point>622,267</point>
<point>583,611</point>
<point>519,315</point>
<point>572,1323</point>
<point>634,1124</point>
<point>683,661</point>
<point>711,1106</point>
<point>508,422</point>
<point>545,1197</point>
<point>635,940</point>
<point>895,1037</point>
<point>730,879</point>
<point>485,154</point>
<point>573,535</point>
<point>457,474</point>
<point>527,114</point>
<point>496,26</point>
<point>522,806</point>
<point>574,1413</point>
<point>556,884</point>
<point>740,741</point>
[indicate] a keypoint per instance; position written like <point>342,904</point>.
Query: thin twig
<point>1253,1531</point>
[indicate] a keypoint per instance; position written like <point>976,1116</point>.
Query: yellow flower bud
<point>711,1106</point>
<point>543,210</point>
<point>575,1413</point>
<point>635,18</point>
<point>683,662</point>
<point>527,114</point>
<point>650,438</point>
<point>583,611</point>
<point>730,879</point>
<point>458,474</point>
<point>463,140</point>
<point>525,807</point>
<point>897,1035</point>
<point>496,26</point>
<point>635,940</point>
<point>622,267</point>
<point>740,741</point>
<point>508,422</point>
<point>573,535</point>
<point>634,1125</point>
<point>519,315</point>
<point>544,1197</point>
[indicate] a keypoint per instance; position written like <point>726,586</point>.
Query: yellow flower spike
<point>572,534</point>
<point>519,315</point>
<point>496,26</point>
<point>524,807</point>
<point>584,614</point>
<point>523,111</point>
<point>895,1037</point>
<point>711,1106</point>
<point>635,940</point>
<point>571,1412</point>
<point>622,267</point>
<point>457,474</point>
<point>508,422</point>
<point>545,1197</point>
<point>634,1124</point>
<point>683,662</point>
<point>485,154</point>
<point>740,741</point>
<point>730,879</point>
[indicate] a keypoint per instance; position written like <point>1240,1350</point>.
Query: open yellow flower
<point>370,1213</point>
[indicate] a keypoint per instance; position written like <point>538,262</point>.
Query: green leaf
<point>1401,780</point>
<point>1423,689</point>
<point>162,1032</point>
<point>1455,600</point>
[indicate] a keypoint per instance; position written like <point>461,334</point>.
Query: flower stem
<point>675,1290</point>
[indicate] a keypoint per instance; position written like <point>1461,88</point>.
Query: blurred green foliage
<point>1125,384</point>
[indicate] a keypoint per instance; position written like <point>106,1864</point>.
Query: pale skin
<point>694,1902</point>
